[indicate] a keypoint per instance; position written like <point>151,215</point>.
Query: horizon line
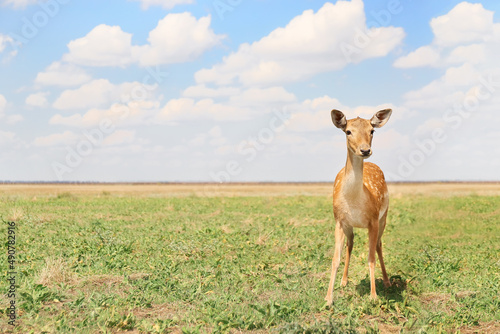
<point>4,182</point>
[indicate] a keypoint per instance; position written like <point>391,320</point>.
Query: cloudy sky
<point>241,90</point>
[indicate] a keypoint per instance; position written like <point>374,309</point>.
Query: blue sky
<point>228,91</point>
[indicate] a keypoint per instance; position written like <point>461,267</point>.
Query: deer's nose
<point>366,152</point>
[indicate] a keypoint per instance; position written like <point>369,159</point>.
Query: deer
<point>360,197</point>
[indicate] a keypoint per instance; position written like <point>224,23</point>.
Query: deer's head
<point>359,131</point>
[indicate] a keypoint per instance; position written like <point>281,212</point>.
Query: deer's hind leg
<point>387,282</point>
<point>349,233</point>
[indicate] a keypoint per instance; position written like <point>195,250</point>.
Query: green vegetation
<point>108,264</point>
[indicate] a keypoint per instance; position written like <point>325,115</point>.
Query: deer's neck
<point>353,182</point>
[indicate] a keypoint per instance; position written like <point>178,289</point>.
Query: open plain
<point>239,189</point>
<point>189,258</point>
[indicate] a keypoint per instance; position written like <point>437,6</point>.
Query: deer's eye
<point>348,132</point>
<point>372,132</point>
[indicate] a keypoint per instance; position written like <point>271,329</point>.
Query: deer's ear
<point>380,118</point>
<point>338,119</point>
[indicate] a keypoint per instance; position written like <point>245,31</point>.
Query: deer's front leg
<point>339,244</point>
<point>372,248</point>
<point>348,231</point>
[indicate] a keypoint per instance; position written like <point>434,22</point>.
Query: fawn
<point>360,196</point>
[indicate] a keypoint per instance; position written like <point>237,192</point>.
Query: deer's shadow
<point>394,292</point>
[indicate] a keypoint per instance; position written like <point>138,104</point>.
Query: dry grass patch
<point>262,239</point>
<point>484,328</point>
<point>106,284</point>
<point>248,221</point>
<point>435,298</point>
<point>388,329</point>
<point>466,294</point>
<point>238,189</point>
<point>160,311</point>
<point>45,217</point>
<point>306,222</point>
<point>15,214</point>
<point>103,280</point>
<point>214,214</point>
<point>4,301</point>
<point>226,229</point>
<point>56,271</point>
<point>139,276</point>
<point>435,302</point>
<point>378,322</point>
<point>283,248</point>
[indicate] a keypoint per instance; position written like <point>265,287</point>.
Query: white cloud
<point>4,39</point>
<point>423,56</point>
<point>445,91</point>
<point>263,97</point>
<point>102,46</point>
<point>178,38</point>
<point>473,53</point>
<point>18,4</point>
<point>13,119</point>
<point>184,109</point>
<point>310,43</point>
<point>131,113</point>
<point>62,74</point>
<point>465,75</point>
<point>426,128</point>
<point>466,34</point>
<point>216,131</point>
<point>93,94</point>
<point>213,140</point>
<point>100,93</point>
<point>119,137</point>
<point>9,119</point>
<point>462,103</point>
<point>314,115</point>
<point>309,115</point>
<point>468,43</point>
<point>465,23</point>
<point>390,139</point>
<point>3,104</point>
<point>242,106</point>
<point>306,121</point>
<point>204,91</point>
<point>64,138</point>
<point>216,137</point>
<point>37,99</point>
<point>7,138</point>
<point>166,4</point>
<point>198,140</point>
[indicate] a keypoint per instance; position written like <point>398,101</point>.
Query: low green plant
<point>221,264</point>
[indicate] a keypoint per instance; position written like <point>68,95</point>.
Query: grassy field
<point>113,259</point>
